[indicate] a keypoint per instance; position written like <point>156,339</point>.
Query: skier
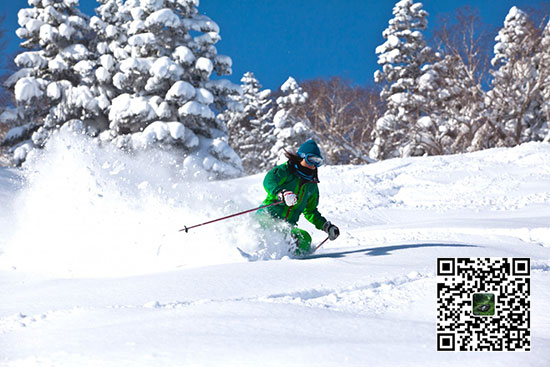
<point>295,183</point>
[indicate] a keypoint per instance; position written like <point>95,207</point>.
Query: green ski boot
<point>302,241</point>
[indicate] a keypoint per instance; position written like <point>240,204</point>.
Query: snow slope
<point>93,270</point>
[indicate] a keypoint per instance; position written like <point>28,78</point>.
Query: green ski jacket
<point>282,178</point>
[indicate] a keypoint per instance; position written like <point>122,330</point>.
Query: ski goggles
<point>313,160</point>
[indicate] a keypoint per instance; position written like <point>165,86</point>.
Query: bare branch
<point>343,116</point>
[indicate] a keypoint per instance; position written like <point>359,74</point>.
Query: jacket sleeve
<point>274,180</point>
<point>312,214</point>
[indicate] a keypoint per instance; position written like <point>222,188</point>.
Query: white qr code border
<point>507,328</point>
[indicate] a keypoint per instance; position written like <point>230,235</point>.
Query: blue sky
<point>305,39</point>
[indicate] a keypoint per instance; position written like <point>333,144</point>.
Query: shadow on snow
<point>382,251</point>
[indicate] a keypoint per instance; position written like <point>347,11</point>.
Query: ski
<point>247,256</point>
<point>309,254</point>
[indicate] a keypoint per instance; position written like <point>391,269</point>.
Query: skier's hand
<point>288,197</point>
<point>332,231</point>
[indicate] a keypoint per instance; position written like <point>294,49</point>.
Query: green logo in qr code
<point>483,304</point>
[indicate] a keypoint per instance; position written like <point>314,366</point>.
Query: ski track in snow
<point>22,321</point>
<point>357,298</point>
<point>379,297</point>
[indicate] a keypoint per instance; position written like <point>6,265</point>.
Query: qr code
<point>483,304</point>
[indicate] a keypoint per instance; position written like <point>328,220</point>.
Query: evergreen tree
<point>157,78</point>
<point>431,132</point>
<point>52,86</point>
<point>251,128</point>
<point>515,99</point>
<point>543,58</point>
<point>141,79</point>
<point>291,128</point>
<point>5,96</point>
<point>108,44</point>
<point>402,58</point>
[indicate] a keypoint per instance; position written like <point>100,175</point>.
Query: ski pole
<point>321,244</point>
<point>186,229</point>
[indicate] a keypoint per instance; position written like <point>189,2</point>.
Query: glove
<point>288,197</point>
<point>332,230</point>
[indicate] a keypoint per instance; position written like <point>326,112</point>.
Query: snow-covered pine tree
<point>290,128</point>
<point>52,86</point>
<point>543,59</point>
<point>161,92</point>
<point>515,100</point>
<point>431,132</point>
<point>251,128</point>
<point>110,37</point>
<point>402,57</point>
